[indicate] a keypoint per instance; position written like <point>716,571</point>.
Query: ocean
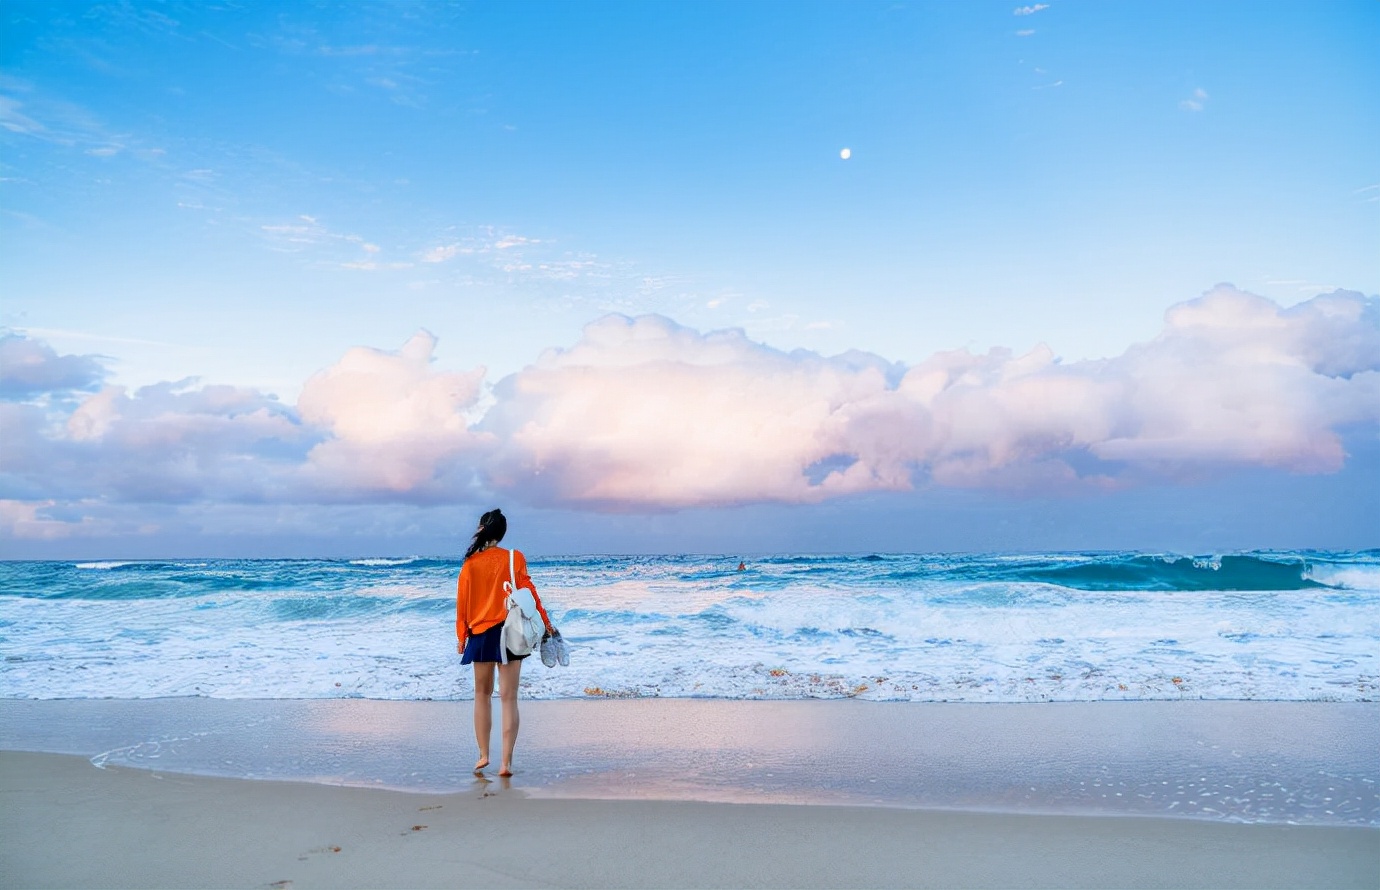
<point>1280,626</point>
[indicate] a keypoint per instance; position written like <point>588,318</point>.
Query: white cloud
<point>441,253</point>
<point>394,424</point>
<point>30,367</point>
<point>173,442</point>
<point>1196,102</point>
<point>25,521</point>
<point>1029,10</point>
<point>1025,32</point>
<point>372,266</point>
<point>14,120</point>
<point>646,414</point>
<point>485,241</point>
<point>307,234</point>
<point>643,412</point>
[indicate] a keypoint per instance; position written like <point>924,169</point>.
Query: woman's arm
<point>462,609</point>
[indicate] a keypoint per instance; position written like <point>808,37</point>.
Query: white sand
<point>65,823</point>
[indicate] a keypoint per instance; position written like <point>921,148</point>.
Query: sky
<point>331,279</point>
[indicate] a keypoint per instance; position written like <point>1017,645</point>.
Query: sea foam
<point>987,628</point>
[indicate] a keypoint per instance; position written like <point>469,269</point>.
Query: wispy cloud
<point>14,120</point>
<point>1025,32</point>
<point>1196,102</point>
<point>483,241</point>
<point>373,266</point>
<point>1029,10</point>
<point>442,252</point>
<point>1302,286</point>
<point>515,256</point>
<point>1370,194</point>
<point>308,235</point>
<point>28,111</point>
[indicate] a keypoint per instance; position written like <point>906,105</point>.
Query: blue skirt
<point>486,647</point>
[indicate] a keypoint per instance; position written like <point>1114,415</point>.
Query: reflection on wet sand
<point>1301,762</point>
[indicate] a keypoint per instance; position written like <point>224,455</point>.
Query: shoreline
<point>68,824</point>
<point>1225,762</point>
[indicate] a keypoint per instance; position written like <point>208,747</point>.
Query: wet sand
<point>66,823</point>
<point>1309,763</point>
<point>690,793</point>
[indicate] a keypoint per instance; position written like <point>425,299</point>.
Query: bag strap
<point>510,603</point>
<point>512,573</point>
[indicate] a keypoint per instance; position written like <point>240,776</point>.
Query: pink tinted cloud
<point>375,425</point>
<point>393,424</point>
<point>646,414</point>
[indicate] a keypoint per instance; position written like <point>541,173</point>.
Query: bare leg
<point>483,709</point>
<point>508,695</point>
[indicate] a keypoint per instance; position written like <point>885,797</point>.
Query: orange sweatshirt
<point>479,597</point>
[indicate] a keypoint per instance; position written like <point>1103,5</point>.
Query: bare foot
<point>482,762</point>
<point>506,771</point>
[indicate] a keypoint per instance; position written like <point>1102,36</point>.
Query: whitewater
<point>1285,626</point>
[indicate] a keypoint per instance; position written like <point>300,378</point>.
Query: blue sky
<point>252,208</point>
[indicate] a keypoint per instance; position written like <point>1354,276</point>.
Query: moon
<point>846,153</point>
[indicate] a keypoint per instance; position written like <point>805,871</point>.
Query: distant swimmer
<point>742,566</point>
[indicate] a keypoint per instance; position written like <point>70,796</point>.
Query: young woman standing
<point>480,608</point>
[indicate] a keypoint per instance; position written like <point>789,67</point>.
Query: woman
<point>480,608</point>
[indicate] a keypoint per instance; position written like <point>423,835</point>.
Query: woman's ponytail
<point>493,525</point>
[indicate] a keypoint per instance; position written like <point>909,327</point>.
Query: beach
<point>66,824</point>
<point>1062,720</point>
<point>199,792</point>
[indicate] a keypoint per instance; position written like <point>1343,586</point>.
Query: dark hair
<point>493,525</point>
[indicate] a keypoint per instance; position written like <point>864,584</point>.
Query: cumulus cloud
<point>1029,10</point>
<point>30,367</point>
<point>645,412</point>
<point>376,424</point>
<point>642,413</point>
<point>173,442</point>
<point>394,424</point>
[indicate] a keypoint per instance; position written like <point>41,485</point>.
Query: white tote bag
<point>523,628</point>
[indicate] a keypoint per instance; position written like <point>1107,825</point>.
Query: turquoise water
<point>996,627</point>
